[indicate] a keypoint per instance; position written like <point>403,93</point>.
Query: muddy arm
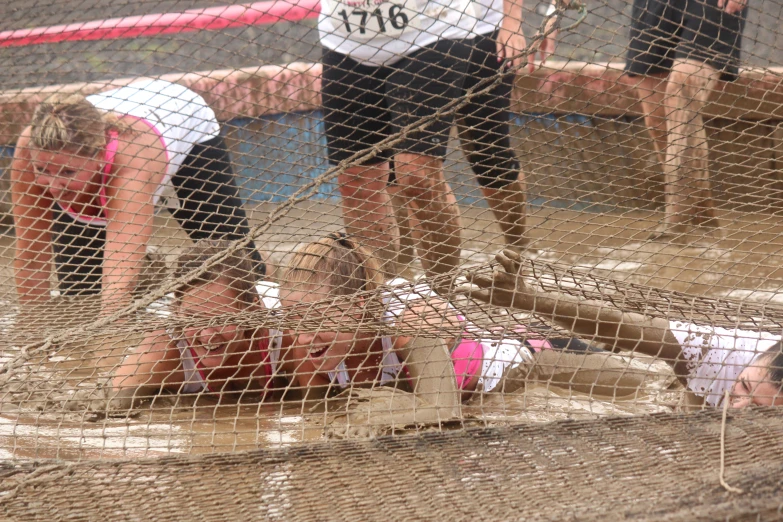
<point>143,372</point>
<point>593,319</point>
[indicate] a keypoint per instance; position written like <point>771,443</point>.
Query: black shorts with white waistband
<point>210,208</point>
<point>364,105</point>
<point>662,30</point>
<point>485,132</point>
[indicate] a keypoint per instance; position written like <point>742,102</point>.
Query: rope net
<point>263,227</point>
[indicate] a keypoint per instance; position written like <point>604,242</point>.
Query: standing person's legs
<point>420,86</point>
<point>692,44</point>
<point>485,138</point>
<point>708,51</point>
<point>356,118</point>
<point>655,29</point>
<point>688,188</point>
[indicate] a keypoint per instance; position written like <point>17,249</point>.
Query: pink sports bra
<point>108,162</point>
<point>112,145</point>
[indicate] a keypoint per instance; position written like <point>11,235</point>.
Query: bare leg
<point>434,207</point>
<point>509,205</point>
<point>688,188</point>
<point>408,239</point>
<point>410,228</point>
<point>651,90</point>
<point>367,212</point>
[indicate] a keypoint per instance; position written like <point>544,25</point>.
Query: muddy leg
<point>434,207</point>
<point>509,204</point>
<point>688,188</point>
<point>368,214</point>
<point>651,91</point>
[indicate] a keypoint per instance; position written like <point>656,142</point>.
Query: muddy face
<point>68,178</point>
<point>213,345</point>
<point>321,351</point>
<point>753,388</point>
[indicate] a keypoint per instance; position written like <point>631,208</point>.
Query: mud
<point>51,408</point>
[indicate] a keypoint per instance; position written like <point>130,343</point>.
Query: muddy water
<point>745,263</point>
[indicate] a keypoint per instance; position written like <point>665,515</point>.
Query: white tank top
<point>380,32</point>
<point>179,116</point>
<point>489,14</point>
<point>717,356</point>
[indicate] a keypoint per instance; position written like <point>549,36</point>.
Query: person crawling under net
<point>713,363</point>
<point>267,362</point>
<point>88,172</point>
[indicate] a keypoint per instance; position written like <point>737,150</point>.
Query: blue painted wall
<point>275,155</point>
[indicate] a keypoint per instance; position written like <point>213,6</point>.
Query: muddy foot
<point>677,235</point>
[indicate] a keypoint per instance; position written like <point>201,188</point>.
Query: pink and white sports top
<point>486,357</point>
<point>195,381</point>
<point>269,347</point>
<point>489,358</point>
<point>180,117</point>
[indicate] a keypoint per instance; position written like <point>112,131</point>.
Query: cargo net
<point>221,237</point>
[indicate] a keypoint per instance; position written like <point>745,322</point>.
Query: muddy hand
<point>505,288</point>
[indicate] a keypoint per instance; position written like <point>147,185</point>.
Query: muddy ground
<point>745,264</point>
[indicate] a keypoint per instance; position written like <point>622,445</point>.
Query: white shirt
<point>179,116</point>
<point>717,356</point>
<point>499,355</point>
<point>489,14</point>
<point>391,29</point>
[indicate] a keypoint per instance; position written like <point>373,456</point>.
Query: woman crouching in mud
<point>709,361</point>
<point>206,359</point>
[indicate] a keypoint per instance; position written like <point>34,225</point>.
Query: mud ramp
<point>659,467</point>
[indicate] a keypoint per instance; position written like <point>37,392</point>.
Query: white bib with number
<point>363,20</point>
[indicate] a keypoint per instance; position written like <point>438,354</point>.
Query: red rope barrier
<point>209,19</point>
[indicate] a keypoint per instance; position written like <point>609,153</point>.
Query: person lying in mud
<point>228,358</point>
<point>333,361</point>
<point>709,361</point>
<point>205,359</point>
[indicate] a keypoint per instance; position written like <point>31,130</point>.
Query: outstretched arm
<point>595,319</point>
<point>145,371</point>
<point>511,40</point>
<point>129,213</point>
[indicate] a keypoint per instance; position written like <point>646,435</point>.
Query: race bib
<point>363,20</point>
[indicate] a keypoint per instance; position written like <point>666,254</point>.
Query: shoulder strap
<point>112,144</point>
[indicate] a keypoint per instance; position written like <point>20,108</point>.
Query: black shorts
<point>662,30</point>
<point>484,120</point>
<point>363,105</point>
<point>210,208</point>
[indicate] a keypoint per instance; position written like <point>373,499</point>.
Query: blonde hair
<point>236,269</point>
<point>336,261</point>
<point>68,122</point>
